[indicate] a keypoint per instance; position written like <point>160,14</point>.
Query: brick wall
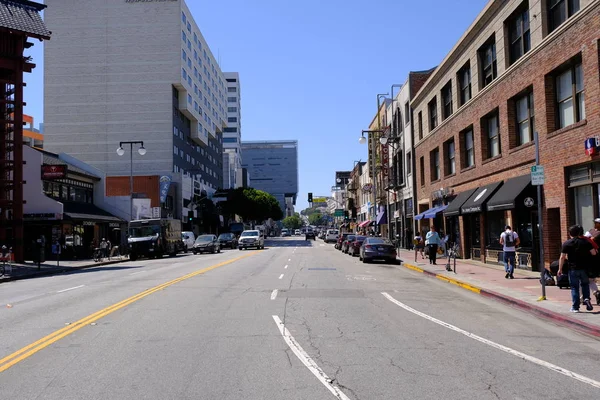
<point>147,185</point>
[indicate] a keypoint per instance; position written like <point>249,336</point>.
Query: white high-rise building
<point>232,134</point>
<point>125,70</point>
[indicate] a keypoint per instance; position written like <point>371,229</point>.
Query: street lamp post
<point>120,152</point>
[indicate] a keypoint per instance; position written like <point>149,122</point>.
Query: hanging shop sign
<point>367,187</point>
<point>592,146</point>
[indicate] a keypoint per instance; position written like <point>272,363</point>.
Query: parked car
<point>188,240</point>
<point>251,238</point>
<point>331,235</point>
<point>297,232</point>
<point>227,240</point>
<point>349,239</point>
<point>341,238</point>
<point>206,244</point>
<point>354,247</point>
<point>310,234</point>
<point>374,248</point>
<point>285,233</point>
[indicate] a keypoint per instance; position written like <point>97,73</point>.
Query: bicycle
<point>452,254</point>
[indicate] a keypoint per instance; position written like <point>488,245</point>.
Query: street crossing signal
<point>190,215</point>
<point>346,215</point>
<point>310,199</point>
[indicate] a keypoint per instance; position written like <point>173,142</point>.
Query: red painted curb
<point>559,319</point>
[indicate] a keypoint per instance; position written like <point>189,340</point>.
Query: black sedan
<point>206,244</point>
<point>227,240</point>
<point>375,248</point>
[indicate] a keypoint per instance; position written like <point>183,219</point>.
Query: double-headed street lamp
<point>120,152</point>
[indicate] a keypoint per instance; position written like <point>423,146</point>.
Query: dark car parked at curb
<point>354,247</point>
<point>349,239</point>
<point>206,244</point>
<point>227,240</point>
<point>341,238</point>
<point>374,248</point>
<point>310,234</point>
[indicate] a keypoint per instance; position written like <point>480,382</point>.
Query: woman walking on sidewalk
<point>419,246</point>
<point>432,240</point>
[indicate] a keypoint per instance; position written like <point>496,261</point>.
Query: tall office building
<point>273,168</point>
<point>232,134</point>
<point>123,70</point>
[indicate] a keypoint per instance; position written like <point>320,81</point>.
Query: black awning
<point>476,203</point>
<point>89,212</point>
<point>456,204</point>
<point>504,199</point>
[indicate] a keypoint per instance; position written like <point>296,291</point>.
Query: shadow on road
<point>289,243</point>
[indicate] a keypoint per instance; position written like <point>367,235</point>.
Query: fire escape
<point>20,20</point>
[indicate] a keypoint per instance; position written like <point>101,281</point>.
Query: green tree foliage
<point>292,222</point>
<point>315,219</point>
<point>252,205</point>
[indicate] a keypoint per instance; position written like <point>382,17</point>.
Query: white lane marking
<point>274,294</point>
<point>495,345</point>
<point>71,288</point>
<point>285,266</point>
<point>289,259</point>
<point>307,361</point>
<point>139,272</point>
<point>281,276</point>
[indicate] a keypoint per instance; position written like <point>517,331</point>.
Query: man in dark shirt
<point>578,250</point>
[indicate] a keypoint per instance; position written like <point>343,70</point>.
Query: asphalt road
<point>298,320</point>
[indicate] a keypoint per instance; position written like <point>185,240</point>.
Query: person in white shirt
<point>509,241</point>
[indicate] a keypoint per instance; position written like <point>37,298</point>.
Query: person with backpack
<point>419,246</point>
<point>578,251</point>
<point>509,241</point>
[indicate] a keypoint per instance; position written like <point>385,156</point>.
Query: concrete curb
<point>59,270</point>
<point>559,319</point>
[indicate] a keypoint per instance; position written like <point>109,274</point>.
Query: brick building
<point>522,66</point>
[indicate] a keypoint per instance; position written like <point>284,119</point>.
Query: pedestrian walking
<point>432,240</point>
<point>419,246</point>
<point>509,241</point>
<point>578,252</point>
<point>593,270</point>
<point>104,248</point>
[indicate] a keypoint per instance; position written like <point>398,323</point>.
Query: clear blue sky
<point>310,70</point>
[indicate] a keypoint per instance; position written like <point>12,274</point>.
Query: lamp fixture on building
<point>120,152</point>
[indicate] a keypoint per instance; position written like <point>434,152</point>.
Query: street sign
<point>537,175</point>
<point>155,212</point>
<point>339,212</point>
<point>319,200</point>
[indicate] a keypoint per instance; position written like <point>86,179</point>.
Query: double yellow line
<point>46,341</point>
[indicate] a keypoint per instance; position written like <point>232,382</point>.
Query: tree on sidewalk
<point>292,222</point>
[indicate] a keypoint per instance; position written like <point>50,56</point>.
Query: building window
<point>183,18</point>
<point>561,10</point>
<point>232,89</point>
<point>175,131</point>
<point>230,130</point>
<point>570,96</point>
<point>469,148</point>
<point>406,113</point>
<point>464,84</point>
<point>518,34</point>
<point>229,140</point>
<point>183,55</point>
<point>487,59</point>
<point>450,150</point>
<point>525,118</point>
<point>420,124</point>
<point>231,109</point>
<point>231,119</point>
<point>432,108</point>
<point>183,37</point>
<point>184,74</point>
<point>491,134</point>
<point>408,163</point>
<point>447,100</point>
<point>175,150</point>
<point>231,99</point>
<point>422,168</point>
<point>180,153</point>
<point>434,157</point>
<point>189,27</point>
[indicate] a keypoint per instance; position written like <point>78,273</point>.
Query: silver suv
<point>251,239</point>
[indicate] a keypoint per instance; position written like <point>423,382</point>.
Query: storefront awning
<point>505,197</point>
<point>476,203</point>
<point>456,204</point>
<point>431,213</point>
<point>382,217</point>
<point>87,212</point>
<point>364,224</point>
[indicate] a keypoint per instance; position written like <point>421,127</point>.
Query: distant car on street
<point>227,240</point>
<point>297,232</point>
<point>310,234</point>
<point>374,248</point>
<point>206,244</point>
<point>189,239</point>
<point>285,233</point>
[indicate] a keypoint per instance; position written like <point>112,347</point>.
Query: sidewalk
<point>522,292</point>
<point>30,270</point>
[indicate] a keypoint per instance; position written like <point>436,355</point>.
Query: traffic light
<point>310,199</point>
<point>346,215</point>
<point>190,215</point>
